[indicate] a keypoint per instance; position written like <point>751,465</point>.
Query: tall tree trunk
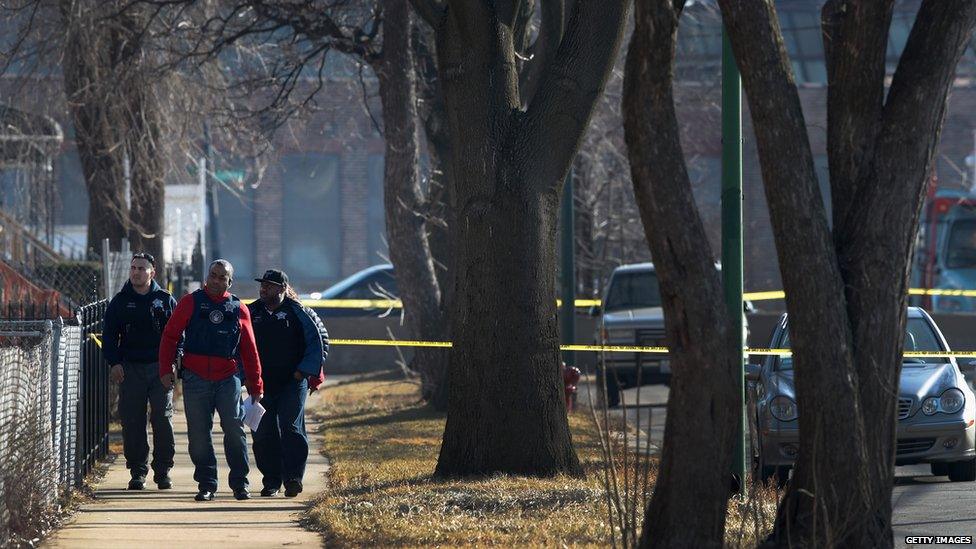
<point>440,188</point>
<point>846,295</point>
<point>404,202</point>
<point>147,175</point>
<point>506,412</point>
<point>689,502</point>
<point>86,67</point>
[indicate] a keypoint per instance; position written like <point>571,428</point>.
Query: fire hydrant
<point>571,376</point>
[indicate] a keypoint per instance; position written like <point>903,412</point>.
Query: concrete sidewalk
<point>170,518</point>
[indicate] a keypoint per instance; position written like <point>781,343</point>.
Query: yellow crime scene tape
<point>397,304</point>
<point>623,348</point>
<point>748,296</point>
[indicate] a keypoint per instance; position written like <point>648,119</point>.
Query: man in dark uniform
<point>218,335</point>
<point>133,325</point>
<point>291,349</point>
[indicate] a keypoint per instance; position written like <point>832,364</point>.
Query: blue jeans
<point>140,385</point>
<point>280,443</point>
<point>200,398</point>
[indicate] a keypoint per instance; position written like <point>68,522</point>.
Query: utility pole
<point>568,310</point>
<point>732,233</point>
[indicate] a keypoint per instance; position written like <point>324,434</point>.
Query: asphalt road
<point>922,505</point>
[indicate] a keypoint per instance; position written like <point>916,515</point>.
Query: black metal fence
<point>54,414</point>
<point>93,398</point>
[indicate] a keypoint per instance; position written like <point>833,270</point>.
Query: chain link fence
<point>53,418</point>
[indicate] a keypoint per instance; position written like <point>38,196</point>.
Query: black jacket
<point>288,340</point>
<point>134,323</point>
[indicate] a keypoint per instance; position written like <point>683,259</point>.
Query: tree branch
<point>544,49</point>
<point>911,125</point>
<point>570,86</point>
<point>855,36</point>
<point>431,11</point>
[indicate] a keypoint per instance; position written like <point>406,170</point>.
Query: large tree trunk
<point>147,175</point>
<point>506,412</point>
<point>847,297</point>
<point>403,199</point>
<point>97,133</point>
<point>689,502</point>
<point>505,364</point>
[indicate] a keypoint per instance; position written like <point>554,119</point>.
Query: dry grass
<point>383,443</point>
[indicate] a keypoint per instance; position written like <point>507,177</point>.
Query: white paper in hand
<point>253,412</point>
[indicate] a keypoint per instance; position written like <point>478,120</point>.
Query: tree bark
<point>689,503</point>
<point>96,134</point>
<point>846,296</point>
<point>405,206</point>
<point>147,172</point>
<point>506,411</point>
<point>440,187</point>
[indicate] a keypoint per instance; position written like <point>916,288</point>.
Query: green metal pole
<point>568,310</point>
<point>732,230</point>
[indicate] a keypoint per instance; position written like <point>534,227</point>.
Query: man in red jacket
<point>216,330</point>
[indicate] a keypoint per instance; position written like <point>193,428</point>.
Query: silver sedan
<point>936,407</point>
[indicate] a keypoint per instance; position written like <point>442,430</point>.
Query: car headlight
<point>783,408</point>
<point>952,401</point>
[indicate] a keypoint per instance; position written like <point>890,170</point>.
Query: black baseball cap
<point>274,276</point>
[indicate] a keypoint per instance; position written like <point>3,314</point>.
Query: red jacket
<point>211,367</point>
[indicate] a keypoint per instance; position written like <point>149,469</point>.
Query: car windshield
<point>633,290</point>
<point>919,336</point>
<point>961,252</point>
<point>340,289</point>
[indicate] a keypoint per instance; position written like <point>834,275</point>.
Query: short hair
<point>225,264</point>
<point>144,255</point>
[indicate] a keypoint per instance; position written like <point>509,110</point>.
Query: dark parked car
<point>936,407</point>
<point>373,283</point>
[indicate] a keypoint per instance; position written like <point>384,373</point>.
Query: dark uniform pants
<point>280,443</point>
<point>141,385</point>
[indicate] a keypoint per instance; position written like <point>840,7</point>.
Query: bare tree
<point>703,339</point>
<point>117,122</point>
<point>379,34</point>
<point>513,143</point>
<point>128,105</point>
<point>847,286</point>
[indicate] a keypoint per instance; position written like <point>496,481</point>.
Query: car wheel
<point>939,469</point>
<point>963,471</point>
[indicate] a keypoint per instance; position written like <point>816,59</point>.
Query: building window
<point>377,250</point>
<point>235,223</point>
<point>311,247</point>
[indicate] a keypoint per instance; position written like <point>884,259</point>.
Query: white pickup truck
<point>631,315</point>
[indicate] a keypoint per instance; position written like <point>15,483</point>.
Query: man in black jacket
<point>133,325</point>
<point>291,346</point>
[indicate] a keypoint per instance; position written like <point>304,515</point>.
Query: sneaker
<point>241,494</point>
<point>163,482</point>
<point>204,495</point>
<point>267,492</point>
<point>293,488</point>
<point>137,483</point>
